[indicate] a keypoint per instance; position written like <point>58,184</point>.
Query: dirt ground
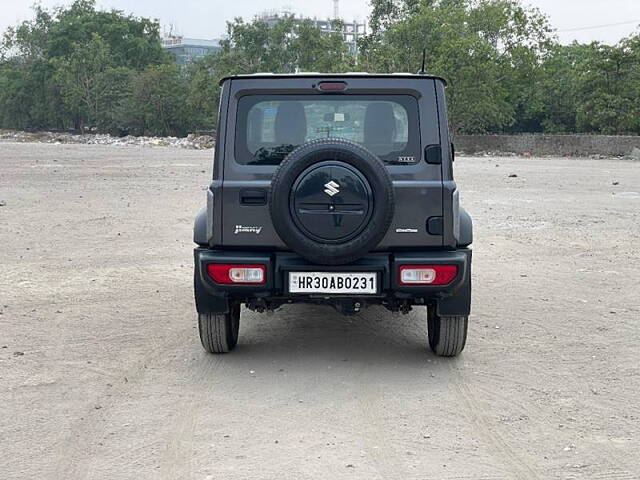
<point>102,375</point>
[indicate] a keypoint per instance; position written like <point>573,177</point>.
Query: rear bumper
<point>451,300</point>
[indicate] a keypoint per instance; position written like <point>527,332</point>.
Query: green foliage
<point>158,103</point>
<point>133,42</point>
<point>82,68</point>
<point>282,48</point>
<point>89,69</point>
<point>591,88</point>
<point>488,50</point>
<point>203,93</point>
<point>290,45</point>
<point>557,95</point>
<point>506,72</point>
<point>74,67</point>
<point>609,90</point>
<point>83,79</point>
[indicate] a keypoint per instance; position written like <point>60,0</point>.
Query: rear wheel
<point>447,335</point>
<point>219,333</point>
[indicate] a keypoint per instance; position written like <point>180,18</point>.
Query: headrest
<point>379,124</point>
<point>291,124</point>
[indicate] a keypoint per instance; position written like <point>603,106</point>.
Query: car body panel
<point>453,299</point>
<point>428,227</point>
<point>419,184</point>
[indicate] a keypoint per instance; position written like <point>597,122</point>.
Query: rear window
<point>269,127</point>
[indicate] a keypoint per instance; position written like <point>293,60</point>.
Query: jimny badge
<point>243,229</point>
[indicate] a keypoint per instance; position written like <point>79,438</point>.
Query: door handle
<point>253,197</point>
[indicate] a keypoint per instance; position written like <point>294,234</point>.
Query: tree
<point>158,102</point>
<point>28,99</point>
<point>607,85</point>
<point>203,93</point>
<point>78,66</point>
<point>83,79</point>
<point>72,67</point>
<point>289,45</point>
<point>556,95</point>
<point>317,52</point>
<point>134,42</point>
<point>485,48</point>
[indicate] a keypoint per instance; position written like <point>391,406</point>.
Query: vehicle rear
<point>338,190</point>
<point>397,119</point>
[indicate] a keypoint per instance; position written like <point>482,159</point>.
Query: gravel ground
<point>102,375</point>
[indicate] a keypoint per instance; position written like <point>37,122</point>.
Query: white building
<point>351,31</point>
<point>187,50</point>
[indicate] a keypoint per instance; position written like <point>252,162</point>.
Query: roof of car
<point>334,75</point>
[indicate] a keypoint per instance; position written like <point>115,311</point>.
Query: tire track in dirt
<point>176,459</point>
<point>381,451</point>
<point>620,465</point>
<point>519,468</point>
<point>389,467</point>
<point>471,408</point>
<point>352,372</point>
<point>72,454</point>
<point>619,468</point>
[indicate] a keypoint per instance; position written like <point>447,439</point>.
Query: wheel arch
<point>200,228</point>
<point>465,237</point>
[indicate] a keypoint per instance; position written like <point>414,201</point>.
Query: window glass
<point>270,127</point>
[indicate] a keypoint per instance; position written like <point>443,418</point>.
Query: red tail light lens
<point>427,274</point>
<point>237,274</point>
<point>332,86</point>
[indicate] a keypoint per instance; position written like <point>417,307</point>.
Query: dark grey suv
<point>333,189</point>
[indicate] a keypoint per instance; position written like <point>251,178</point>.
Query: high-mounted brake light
<point>332,86</point>
<point>237,274</point>
<point>427,274</point>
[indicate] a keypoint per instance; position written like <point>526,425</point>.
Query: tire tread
<point>215,332</point>
<point>447,335</point>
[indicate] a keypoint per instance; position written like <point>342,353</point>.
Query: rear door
<point>396,118</point>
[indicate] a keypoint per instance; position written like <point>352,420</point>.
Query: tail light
<point>237,274</point>
<point>332,86</point>
<point>427,274</point>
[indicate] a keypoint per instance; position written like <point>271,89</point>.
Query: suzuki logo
<point>332,188</point>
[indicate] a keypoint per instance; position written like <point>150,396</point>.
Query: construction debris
<point>192,142</point>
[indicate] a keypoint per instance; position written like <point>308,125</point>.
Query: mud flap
<point>206,302</point>
<point>458,305</point>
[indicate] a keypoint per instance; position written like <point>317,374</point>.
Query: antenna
<point>424,62</point>
<point>336,9</point>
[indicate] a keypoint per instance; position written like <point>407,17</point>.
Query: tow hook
<point>348,306</point>
<point>406,309</point>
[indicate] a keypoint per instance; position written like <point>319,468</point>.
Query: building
<point>351,31</point>
<point>187,50</point>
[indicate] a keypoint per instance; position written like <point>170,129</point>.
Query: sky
<point>582,20</point>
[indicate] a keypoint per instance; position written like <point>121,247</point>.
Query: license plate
<point>340,283</point>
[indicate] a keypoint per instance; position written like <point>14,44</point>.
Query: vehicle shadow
<point>320,336</point>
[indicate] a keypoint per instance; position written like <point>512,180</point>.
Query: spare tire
<point>331,201</point>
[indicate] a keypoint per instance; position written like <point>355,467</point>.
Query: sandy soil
<point>102,375</point>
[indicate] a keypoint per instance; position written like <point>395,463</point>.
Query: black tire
<point>341,151</point>
<point>447,335</point>
<point>219,333</point>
